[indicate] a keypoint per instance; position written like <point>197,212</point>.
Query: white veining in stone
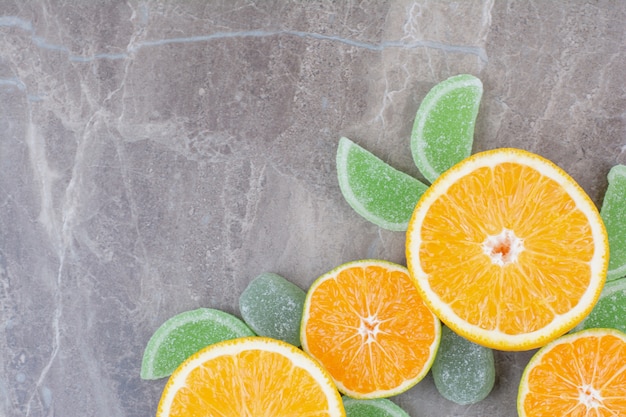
<point>413,43</point>
<point>157,156</point>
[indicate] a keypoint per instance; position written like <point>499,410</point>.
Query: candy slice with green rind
<point>374,189</point>
<point>272,306</point>
<point>443,130</point>
<point>464,372</point>
<point>613,213</point>
<point>185,334</point>
<point>610,310</point>
<point>380,407</point>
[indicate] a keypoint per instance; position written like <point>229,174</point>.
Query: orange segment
<point>367,324</point>
<point>251,376</point>
<point>581,374</point>
<point>507,250</point>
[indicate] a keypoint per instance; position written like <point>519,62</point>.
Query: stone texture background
<point>155,156</point>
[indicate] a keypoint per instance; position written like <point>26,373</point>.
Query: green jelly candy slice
<point>613,214</point>
<point>610,310</point>
<point>464,372</point>
<point>380,407</point>
<point>374,189</point>
<point>443,131</point>
<point>272,307</point>
<point>186,333</point>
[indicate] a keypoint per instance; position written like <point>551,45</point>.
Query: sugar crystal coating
<point>610,310</point>
<point>374,189</point>
<point>464,372</point>
<point>380,407</point>
<point>272,307</point>
<point>186,333</point>
<point>613,214</point>
<point>443,131</point>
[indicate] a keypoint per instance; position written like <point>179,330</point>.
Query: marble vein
<point>399,44</point>
<point>158,156</point>
<point>16,22</point>
<point>46,178</point>
<point>13,82</point>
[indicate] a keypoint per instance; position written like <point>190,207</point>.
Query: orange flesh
<point>557,248</point>
<point>251,383</point>
<point>590,368</point>
<point>371,330</point>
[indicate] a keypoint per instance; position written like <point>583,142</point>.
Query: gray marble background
<point>155,156</point>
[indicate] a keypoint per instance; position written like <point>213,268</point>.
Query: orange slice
<point>368,326</point>
<point>250,376</point>
<point>582,374</point>
<point>507,250</point>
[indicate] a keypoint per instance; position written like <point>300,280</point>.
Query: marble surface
<point>155,156</point>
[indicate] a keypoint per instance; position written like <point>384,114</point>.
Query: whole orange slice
<point>368,326</point>
<point>582,374</point>
<point>507,249</point>
<point>250,376</point>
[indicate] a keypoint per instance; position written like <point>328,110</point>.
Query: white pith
<point>503,248</point>
<point>589,396</point>
<point>369,328</point>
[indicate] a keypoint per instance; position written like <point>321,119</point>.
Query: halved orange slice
<point>507,249</point>
<point>250,376</point>
<point>368,326</point>
<point>581,374</point>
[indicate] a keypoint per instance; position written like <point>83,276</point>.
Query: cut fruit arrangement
<point>367,324</point>
<point>364,330</point>
<point>503,247</point>
<point>581,374</point>
<point>517,267</point>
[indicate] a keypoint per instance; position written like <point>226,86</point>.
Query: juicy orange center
<point>516,260</point>
<point>369,329</point>
<point>503,248</point>
<point>585,377</point>
<point>589,396</point>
